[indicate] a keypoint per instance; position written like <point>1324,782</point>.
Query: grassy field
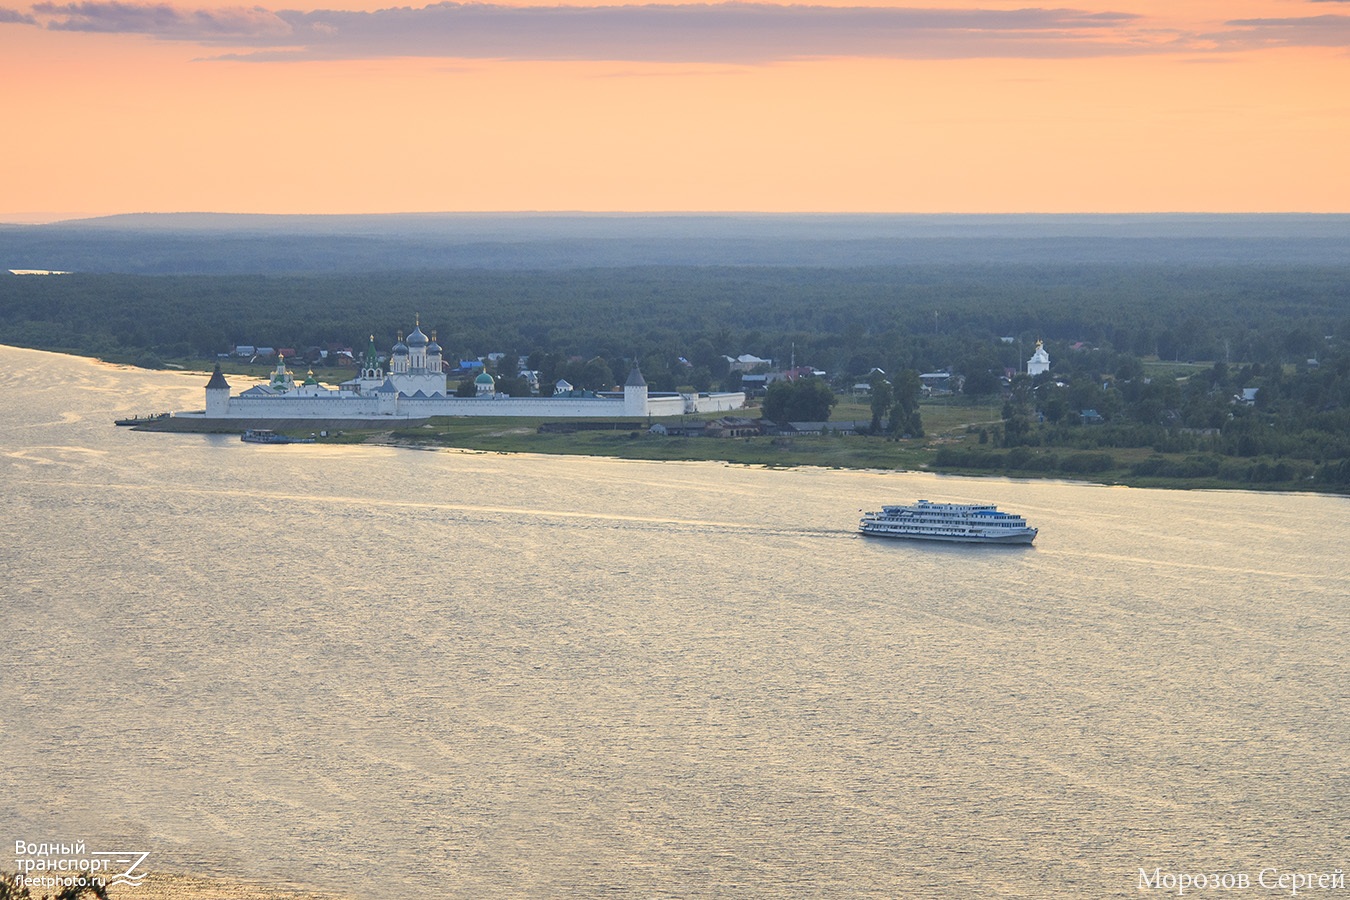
<point>947,423</point>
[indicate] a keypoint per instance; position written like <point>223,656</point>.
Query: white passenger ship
<point>972,523</point>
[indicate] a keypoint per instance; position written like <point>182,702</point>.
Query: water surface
<point>378,670</point>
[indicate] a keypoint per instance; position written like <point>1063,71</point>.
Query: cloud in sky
<point>163,21</point>
<point>728,32</point>
<point>1330,30</point>
<point>719,32</point>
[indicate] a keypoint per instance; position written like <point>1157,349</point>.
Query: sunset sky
<point>341,106</point>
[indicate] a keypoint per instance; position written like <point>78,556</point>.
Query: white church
<point>1039,362</point>
<point>415,387</point>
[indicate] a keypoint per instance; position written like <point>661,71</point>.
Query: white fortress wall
<point>666,406</point>
<point>563,407</point>
<point>299,407</point>
<point>717,402</point>
<point>294,405</point>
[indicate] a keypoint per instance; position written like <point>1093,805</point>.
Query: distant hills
<point>223,244</point>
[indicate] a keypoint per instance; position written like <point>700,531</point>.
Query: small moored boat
<point>268,436</point>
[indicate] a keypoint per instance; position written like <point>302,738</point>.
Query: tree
<point>1056,407</point>
<point>595,375</point>
<point>981,382</point>
<point>700,379</point>
<point>513,386</point>
<point>882,399</point>
<point>981,367</point>
<point>656,371</point>
<point>1017,412</point>
<point>12,889</point>
<point>905,418</point>
<point>803,400</point>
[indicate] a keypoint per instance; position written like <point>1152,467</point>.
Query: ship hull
<point>1005,539</point>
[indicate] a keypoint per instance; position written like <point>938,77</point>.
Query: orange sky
<point>1165,106</point>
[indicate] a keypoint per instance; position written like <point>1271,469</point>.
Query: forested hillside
<point>207,244</point>
<point>841,320</point>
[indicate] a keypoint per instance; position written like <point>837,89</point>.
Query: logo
<point>59,864</point>
<point>129,858</point>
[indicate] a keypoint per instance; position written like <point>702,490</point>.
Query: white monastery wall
<point>299,406</point>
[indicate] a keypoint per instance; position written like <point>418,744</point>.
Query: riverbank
<point>336,428</point>
<point>950,437</point>
<point>951,445</point>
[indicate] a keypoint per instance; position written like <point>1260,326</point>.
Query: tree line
<point>685,319</point>
<point>1261,423</point>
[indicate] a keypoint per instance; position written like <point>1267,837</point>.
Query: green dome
<point>484,378</point>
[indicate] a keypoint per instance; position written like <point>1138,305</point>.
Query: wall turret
<point>217,394</point>
<point>635,394</point>
<point>386,398</point>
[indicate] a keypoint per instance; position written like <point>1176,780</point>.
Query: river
<point>393,672</point>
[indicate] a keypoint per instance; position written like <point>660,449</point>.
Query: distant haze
<point>238,244</point>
